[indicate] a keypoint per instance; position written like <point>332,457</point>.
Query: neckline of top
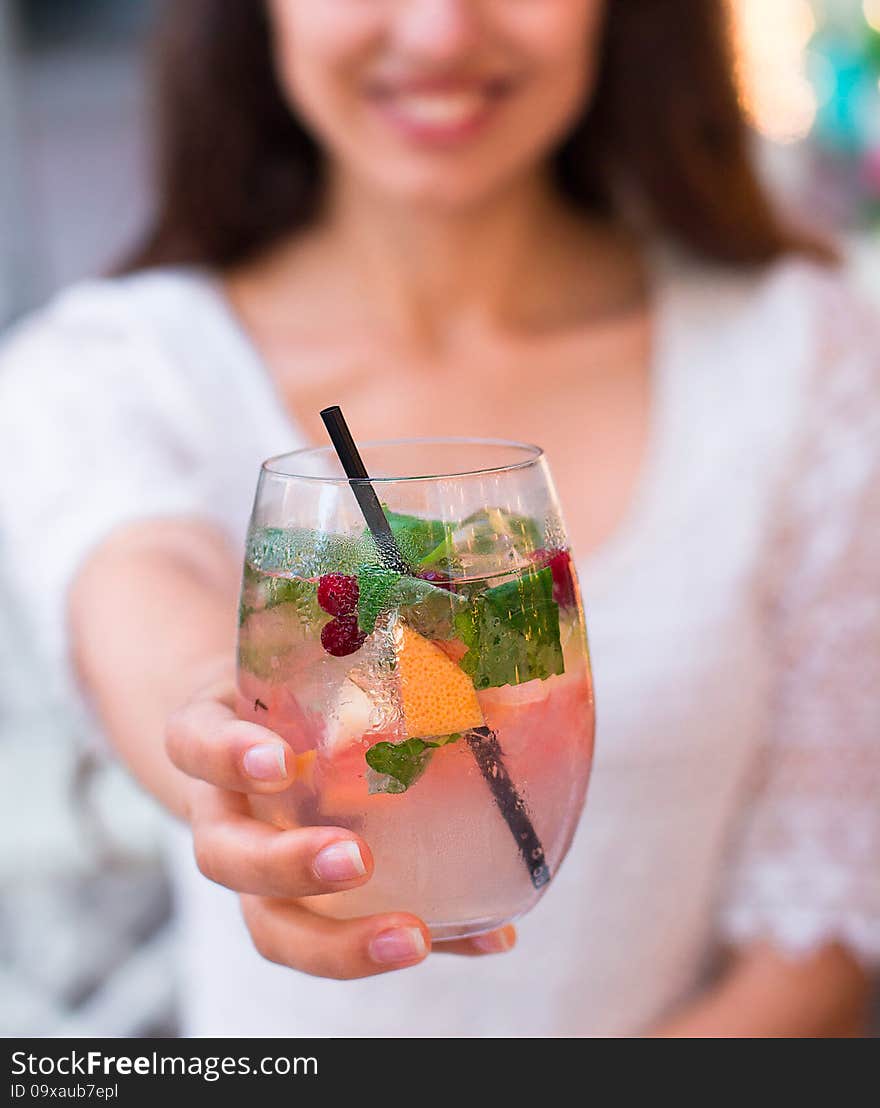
<point>599,565</point>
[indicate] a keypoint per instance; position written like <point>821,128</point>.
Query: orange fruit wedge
<point>437,696</point>
<point>303,768</point>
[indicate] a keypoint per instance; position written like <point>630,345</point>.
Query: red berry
<point>559,562</point>
<point>338,593</point>
<point>342,636</point>
<point>436,578</point>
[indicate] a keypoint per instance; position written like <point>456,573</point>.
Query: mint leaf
<point>432,612</point>
<point>415,536</point>
<point>289,590</point>
<point>375,586</point>
<point>487,533</point>
<point>402,763</point>
<point>427,608</point>
<point>443,557</point>
<point>512,632</point>
<point>397,765</point>
<point>250,580</point>
<point>265,593</point>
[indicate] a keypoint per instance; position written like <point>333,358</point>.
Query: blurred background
<point>86,930</point>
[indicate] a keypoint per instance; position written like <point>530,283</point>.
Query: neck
<point>521,264</point>
<point>431,274</point>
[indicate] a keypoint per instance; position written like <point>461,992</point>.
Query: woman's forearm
<point>765,994</point>
<point>152,617</point>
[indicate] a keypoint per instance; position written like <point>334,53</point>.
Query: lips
<point>440,108</point>
<point>439,111</point>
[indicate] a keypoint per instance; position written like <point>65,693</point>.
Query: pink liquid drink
<point>443,714</point>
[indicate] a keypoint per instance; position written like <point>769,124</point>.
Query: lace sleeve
<point>807,867</point>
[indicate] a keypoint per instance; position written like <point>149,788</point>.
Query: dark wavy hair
<point>237,170</point>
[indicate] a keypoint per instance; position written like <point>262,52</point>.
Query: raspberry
<point>559,562</point>
<point>436,578</point>
<point>342,636</point>
<point>338,593</point>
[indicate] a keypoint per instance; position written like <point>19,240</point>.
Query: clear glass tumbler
<point>444,713</point>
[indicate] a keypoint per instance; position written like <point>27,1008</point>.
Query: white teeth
<point>446,108</point>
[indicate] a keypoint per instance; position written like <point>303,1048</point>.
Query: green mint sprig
<point>415,536</point>
<point>395,766</point>
<point>426,608</point>
<point>512,632</point>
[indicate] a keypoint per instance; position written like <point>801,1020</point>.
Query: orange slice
<point>304,768</point>
<point>438,697</point>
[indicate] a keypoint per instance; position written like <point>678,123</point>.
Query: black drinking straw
<point>486,749</point>
<point>482,741</point>
<point>365,494</point>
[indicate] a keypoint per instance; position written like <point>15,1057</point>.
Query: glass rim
<point>533,455</point>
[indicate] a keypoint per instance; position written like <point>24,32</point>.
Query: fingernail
<point>495,942</point>
<point>403,944</point>
<point>265,763</point>
<point>340,861</point>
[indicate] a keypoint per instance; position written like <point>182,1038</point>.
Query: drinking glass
<point>444,713</point>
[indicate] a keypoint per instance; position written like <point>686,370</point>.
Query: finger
<point>492,942</point>
<point>207,741</point>
<point>242,853</point>
<point>291,935</point>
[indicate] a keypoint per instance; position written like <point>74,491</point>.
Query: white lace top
<point>734,623</point>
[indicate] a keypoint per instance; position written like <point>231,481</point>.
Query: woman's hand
<point>277,871</point>
<point>176,638</point>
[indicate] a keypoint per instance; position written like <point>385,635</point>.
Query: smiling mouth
<point>439,110</point>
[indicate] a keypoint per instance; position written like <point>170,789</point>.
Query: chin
<point>444,191</point>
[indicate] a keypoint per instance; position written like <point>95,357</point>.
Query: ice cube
<point>375,673</point>
<point>493,541</point>
<point>349,717</point>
